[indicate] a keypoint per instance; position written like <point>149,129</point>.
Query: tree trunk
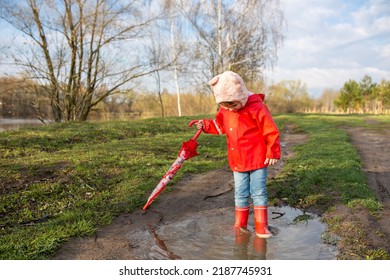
<point>175,75</point>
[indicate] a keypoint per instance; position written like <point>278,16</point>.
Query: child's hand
<point>199,124</point>
<point>270,161</point>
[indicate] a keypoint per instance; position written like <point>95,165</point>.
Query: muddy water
<point>209,235</point>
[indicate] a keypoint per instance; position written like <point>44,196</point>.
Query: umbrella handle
<point>198,132</point>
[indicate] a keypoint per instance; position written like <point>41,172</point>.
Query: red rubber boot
<point>241,218</point>
<point>261,222</point>
<point>241,222</point>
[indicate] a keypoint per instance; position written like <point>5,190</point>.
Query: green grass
<point>67,180</point>
<point>327,169</point>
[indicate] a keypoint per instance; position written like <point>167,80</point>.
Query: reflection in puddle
<point>160,248</point>
<point>210,235</point>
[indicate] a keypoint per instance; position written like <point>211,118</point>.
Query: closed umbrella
<point>187,151</point>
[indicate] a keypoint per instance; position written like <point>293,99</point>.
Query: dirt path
<point>373,146</point>
<point>200,192</point>
<point>374,149</point>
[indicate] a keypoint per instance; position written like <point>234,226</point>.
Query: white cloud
<point>329,42</point>
<point>384,52</point>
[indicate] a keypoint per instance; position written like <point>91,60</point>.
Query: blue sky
<point>328,42</point>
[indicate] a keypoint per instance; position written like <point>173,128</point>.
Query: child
<point>253,144</point>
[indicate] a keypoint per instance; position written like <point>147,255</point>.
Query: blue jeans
<point>250,184</point>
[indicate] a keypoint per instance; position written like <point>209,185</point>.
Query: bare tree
<point>175,67</point>
<point>178,48</point>
<point>82,51</point>
<point>155,52</point>
<point>242,36</point>
<point>289,97</point>
<point>325,103</point>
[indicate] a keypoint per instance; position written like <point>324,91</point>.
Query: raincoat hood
<point>229,86</point>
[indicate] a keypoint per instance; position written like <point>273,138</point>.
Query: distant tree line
<point>18,100</point>
<point>365,96</point>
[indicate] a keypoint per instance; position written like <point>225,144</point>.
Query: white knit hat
<point>229,86</point>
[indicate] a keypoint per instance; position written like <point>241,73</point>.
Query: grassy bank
<point>66,180</point>
<point>327,169</point>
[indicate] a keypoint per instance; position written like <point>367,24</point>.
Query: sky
<point>328,42</point>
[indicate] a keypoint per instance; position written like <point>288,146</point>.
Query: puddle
<point>210,235</point>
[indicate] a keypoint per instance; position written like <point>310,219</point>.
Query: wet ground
<point>209,235</point>
<point>194,220</point>
<point>205,232</point>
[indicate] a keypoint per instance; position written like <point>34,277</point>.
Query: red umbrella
<point>187,151</point>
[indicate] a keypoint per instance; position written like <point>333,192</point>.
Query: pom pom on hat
<point>229,86</point>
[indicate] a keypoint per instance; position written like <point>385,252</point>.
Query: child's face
<point>231,105</point>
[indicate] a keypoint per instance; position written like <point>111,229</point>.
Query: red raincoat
<point>252,135</point>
